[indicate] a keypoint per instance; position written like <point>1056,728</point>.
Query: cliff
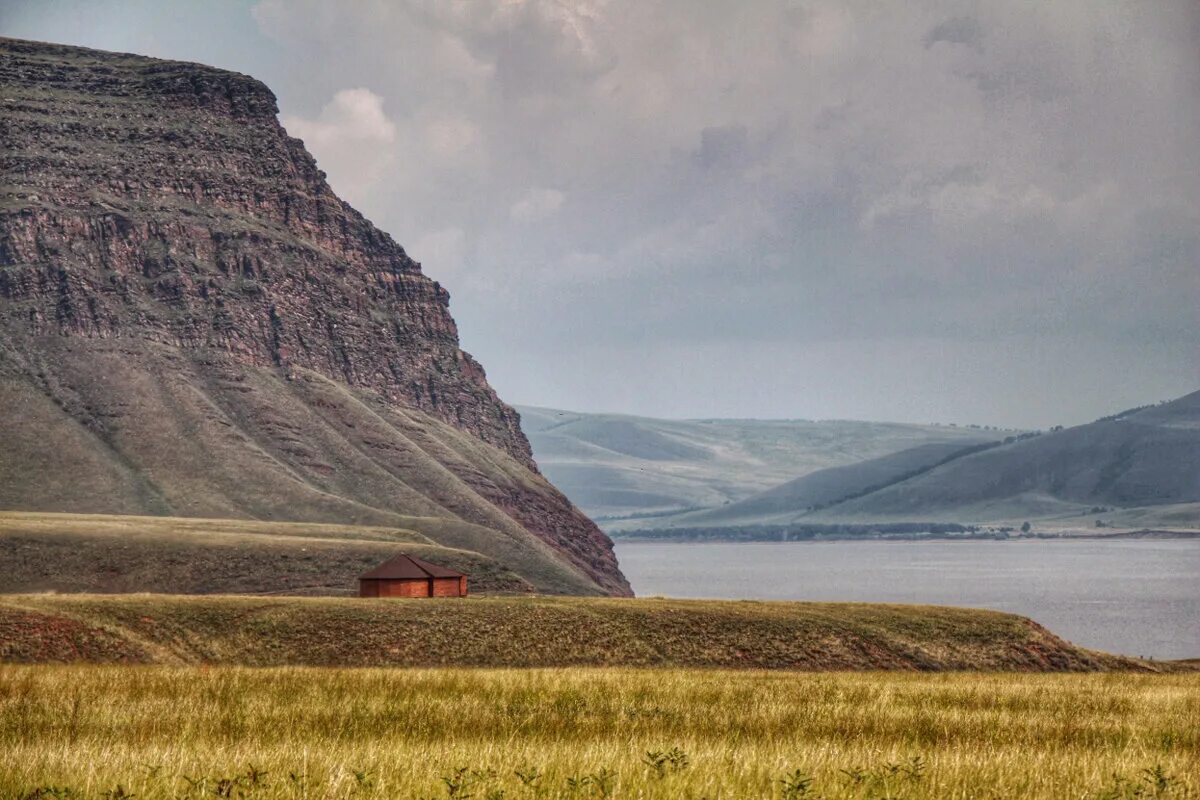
<point>194,324</point>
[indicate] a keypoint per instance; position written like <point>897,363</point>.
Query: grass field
<point>532,632</point>
<point>182,555</point>
<point>156,732</point>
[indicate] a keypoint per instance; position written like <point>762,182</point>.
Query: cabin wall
<point>447,587</point>
<point>394,588</point>
<point>416,587</point>
<point>406,588</point>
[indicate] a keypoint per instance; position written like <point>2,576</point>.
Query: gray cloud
<point>937,210</point>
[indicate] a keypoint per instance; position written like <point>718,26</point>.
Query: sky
<point>970,212</point>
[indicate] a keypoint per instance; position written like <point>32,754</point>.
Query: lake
<point>1138,597</point>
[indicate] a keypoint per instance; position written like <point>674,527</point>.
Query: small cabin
<point>409,576</point>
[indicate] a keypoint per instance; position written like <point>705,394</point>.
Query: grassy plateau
<point>195,732</point>
<point>111,553</point>
<point>532,632</point>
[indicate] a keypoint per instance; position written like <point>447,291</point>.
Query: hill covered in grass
<point>1146,459</point>
<point>816,490</point>
<point>1136,470</point>
<point>529,632</point>
<point>97,553</point>
<point>625,471</point>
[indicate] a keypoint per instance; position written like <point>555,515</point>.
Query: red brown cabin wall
<point>448,587</point>
<point>417,587</point>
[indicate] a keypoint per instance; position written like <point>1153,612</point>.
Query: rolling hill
<point>533,632</point>
<point>627,470</point>
<point>183,555</point>
<point>1137,469</point>
<point>192,324</point>
<point>816,490</point>
<point>1146,459</point>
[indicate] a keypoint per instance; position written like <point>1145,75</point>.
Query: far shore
<point>876,534</point>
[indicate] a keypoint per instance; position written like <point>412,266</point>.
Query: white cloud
<point>351,139</point>
<point>536,205</point>
<point>778,175</point>
<point>354,115</point>
<point>783,171</point>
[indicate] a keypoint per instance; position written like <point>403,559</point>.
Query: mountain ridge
<point>192,323</point>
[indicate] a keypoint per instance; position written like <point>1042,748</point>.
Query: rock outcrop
<point>176,274</point>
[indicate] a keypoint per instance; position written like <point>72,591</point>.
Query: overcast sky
<point>935,211</point>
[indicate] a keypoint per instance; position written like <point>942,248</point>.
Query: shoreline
<point>731,536</point>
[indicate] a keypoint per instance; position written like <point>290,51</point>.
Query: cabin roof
<point>406,567</point>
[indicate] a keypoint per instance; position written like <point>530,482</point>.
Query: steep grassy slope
<point>1144,459</point>
<point>616,466</point>
<point>193,438</point>
<point>193,324</point>
<point>529,632</point>
<point>95,553</point>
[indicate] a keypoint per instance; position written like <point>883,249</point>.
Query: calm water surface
<point>1136,597</point>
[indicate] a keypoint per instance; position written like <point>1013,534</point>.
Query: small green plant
<point>225,787</point>
<point>1157,779</point>
<point>856,775</point>
<point>796,785</point>
<point>678,759</point>
<point>601,783</point>
<point>604,781</point>
<point>255,777</point>
<point>363,779</point>
<point>1153,783</point>
<point>199,784</point>
<point>656,760</point>
<point>43,792</point>
<point>460,783</point>
<point>662,762</point>
<point>888,774</point>
<point>529,776</point>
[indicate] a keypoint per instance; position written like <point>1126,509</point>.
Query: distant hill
<point>794,499</point>
<point>625,470</point>
<point>1145,458</point>
<point>1136,469</point>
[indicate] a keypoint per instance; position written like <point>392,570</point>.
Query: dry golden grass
<point>155,732</point>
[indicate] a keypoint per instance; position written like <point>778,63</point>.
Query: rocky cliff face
<point>154,215</point>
